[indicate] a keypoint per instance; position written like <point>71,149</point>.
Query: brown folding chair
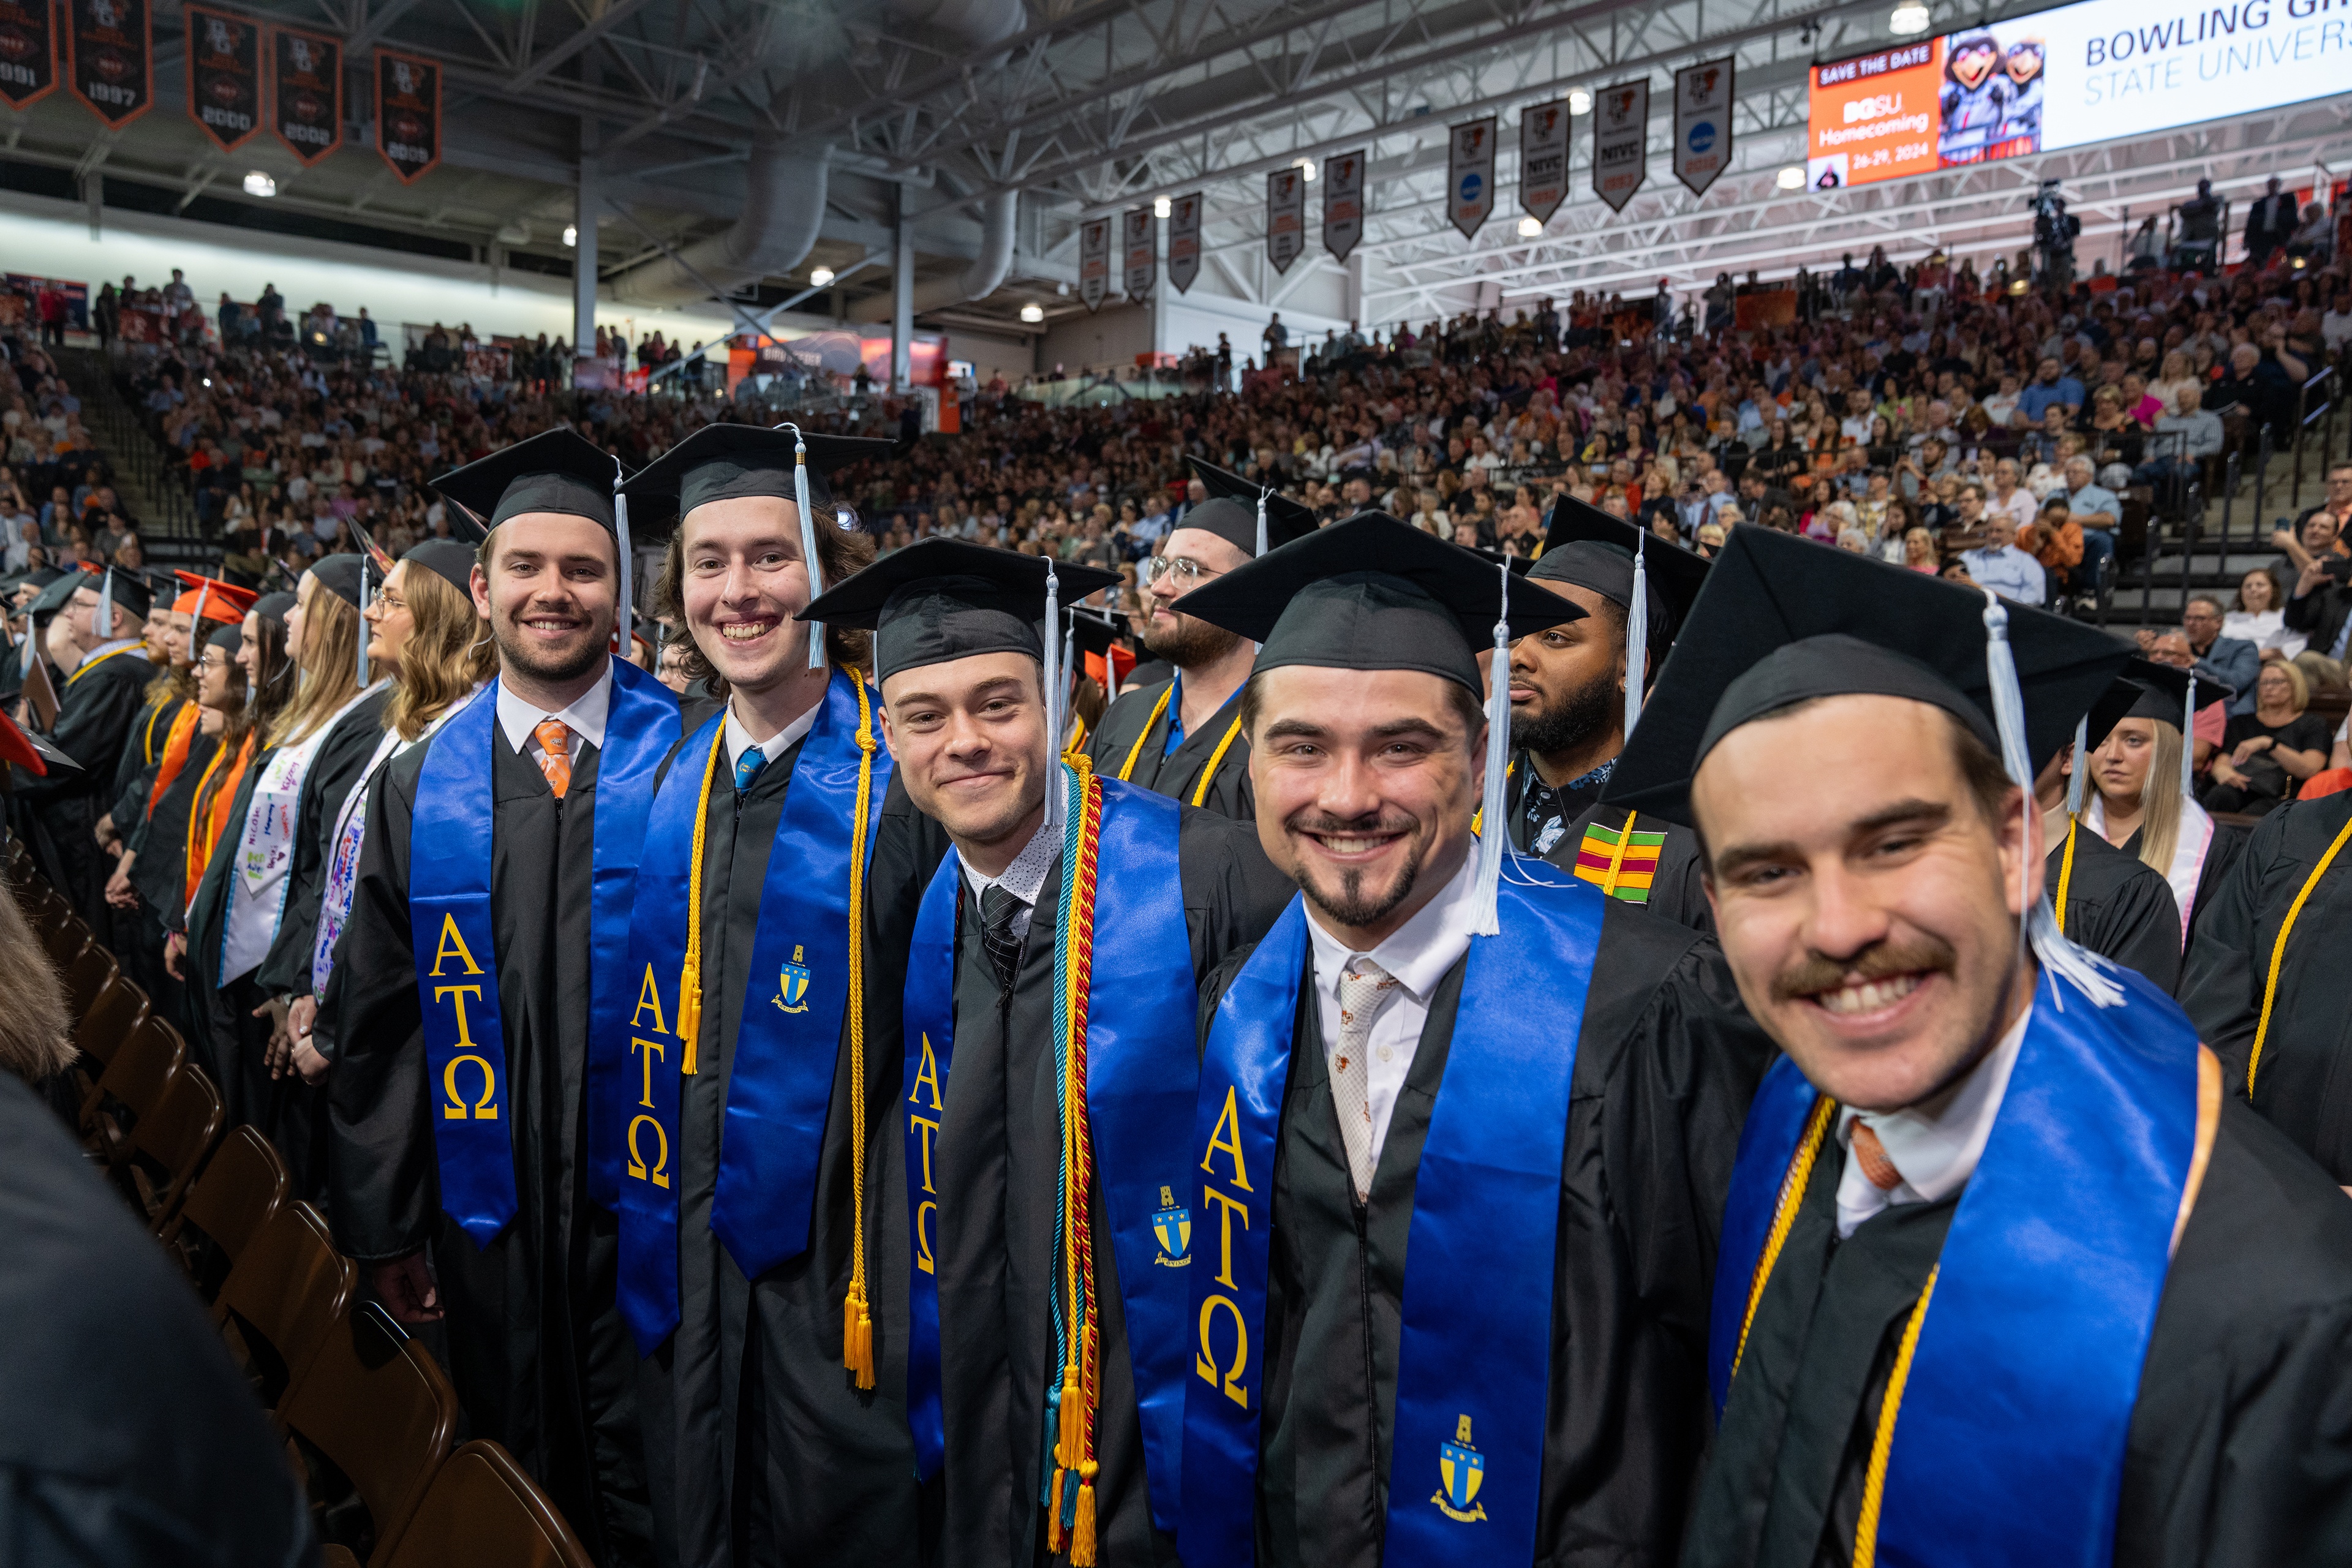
<point>92,970</point>
<point>378,1409</point>
<point>131,1086</point>
<point>481,1508</point>
<point>231,1199</point>
<point>63,935</point>
<point>163,1152</point>
<point>282,1297</point>
<point>110,1019</point>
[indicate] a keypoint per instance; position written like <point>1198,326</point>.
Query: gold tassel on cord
<point>689,974</point>
<point>1067,1428</point>
<point>1053,1515</point>
<point>1082,1531</point>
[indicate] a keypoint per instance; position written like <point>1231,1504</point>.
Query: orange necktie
<point>1870,1154</point>
<point>554,737</point>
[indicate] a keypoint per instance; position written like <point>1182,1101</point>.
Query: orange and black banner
<point>110,56</point>
<point>306,93</point>
<point>28,52</point>
<point>223,75</point>
<point>408,114</point>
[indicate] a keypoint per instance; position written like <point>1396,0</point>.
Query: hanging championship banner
<point>1343,203</point>
<point>1701,123</point>
<point>111,57</point>
<point>408,114</point>
<point>1139,229</point>
<point>1286,216</point>
<point>1470,176</point>
<point>28,52</point>
<point>223,75</point>
<point>306,93</point>
<point>1184,240</point>
<point>1543,159</point>
<point>1621,126</point>
<point>1094,261</point>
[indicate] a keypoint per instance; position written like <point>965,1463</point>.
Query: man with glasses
<point>1183,737</point>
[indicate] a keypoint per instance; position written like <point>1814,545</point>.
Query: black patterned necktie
<point>997,909</point>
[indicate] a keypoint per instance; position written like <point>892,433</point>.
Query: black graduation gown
<point>2117,906</point>
<point>134,1440</point>
<point>2228,968</point>
<point>286,972</point>
<point>759,1446</point>
<point>538,1351</point>
<point>223,1003</point>
<point>2242,1439</point>
<point>1175,773</point>
<point>1666,1063</point>
<point>95,712</point>
<point>142,750</point>
<point>1677,888</point>
<point>997,1162</point>
<point>159,874</point>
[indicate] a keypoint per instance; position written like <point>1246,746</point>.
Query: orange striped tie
<point>554,737</point>
<point>1868,1151</point>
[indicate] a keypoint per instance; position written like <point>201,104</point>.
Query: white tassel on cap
<point>808,539</point>
<point>2082,769</point>
<point>1493,835</point>
<point>2188,740</point>
<point>1261,521</point>
<point>1053,683</point>
<point>2086,971</point>
<point>1637,636</point>
<point>363,625</point>
<point>625,621</point>
<point>101,626</point>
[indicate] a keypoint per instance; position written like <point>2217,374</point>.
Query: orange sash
<point>182,735</point>
<point>211,816</point>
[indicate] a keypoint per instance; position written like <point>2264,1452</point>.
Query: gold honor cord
<point>689,976</point>
<point>1209,776</point>
<point>1126,768</point>
<point>1617,859</point>
<point>857,1314</point>
<point>1784,1214</point>
<point>2278,952</point>
<point>2066,873</point>
<point>1882,1443</point>
<point>139,648</point>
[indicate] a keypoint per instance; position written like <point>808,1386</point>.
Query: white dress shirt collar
<point>737,737</point>
<point>1025,879</point>
<point>1934,1145</point>
<point>1418,953</point>
<point>585,717</point>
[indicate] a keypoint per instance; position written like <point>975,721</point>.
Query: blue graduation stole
<point>786,1045</point>
<point>1141,1086</point>
<point>1477,1332</point>
<point>454,941</point>
<point>2010,1436</point>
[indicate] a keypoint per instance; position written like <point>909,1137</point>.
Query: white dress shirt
<point>1934,1145</point>
<point>585,717</point>
<point>736,737</point>
<point>1025,879</point>
<point>1417,953</point>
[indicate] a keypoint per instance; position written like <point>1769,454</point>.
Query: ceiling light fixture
<point>1162,207</point>
<point>1530,226</point>
<point>1909,17</point>
<point>257,183</point>
<point>821,278</point>
<point>1033,312</point>
<point>571,235</point>
<point>1578,101</point>
<point>1306,167</point>
<point>1792,178</point>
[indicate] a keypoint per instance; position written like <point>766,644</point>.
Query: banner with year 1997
<point>111,57</point>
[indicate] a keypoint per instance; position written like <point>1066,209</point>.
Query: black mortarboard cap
<point>1782,620</point>
<point>722,462</point>
<point>128,588</point>
<point>1373,593</point>
<point>52,599</point>
<point>2159,691</point>
<point>230,636</point>
<point>2113,706</point>
<point>1585,546</point>
<point>1094,633</point>
<point>450,559</point>
<point>557,470</point>
<point>340,576</point>
<point>1236,522</point>
<point>940,599</point>
<point>272,607</point>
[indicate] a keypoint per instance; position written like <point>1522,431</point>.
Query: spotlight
<point>1578,101</point>
<point>1162,207</point>
<point>1530,226</point>
<point>1033,312</point>
<point>1909,17</point>
<point>1792,178</point>
<point>820,276</point>
<point>257,183</point>
<point>571,235</point>
<point>1306,167</point>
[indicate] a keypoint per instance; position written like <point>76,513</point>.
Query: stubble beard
<point>1188,644</point>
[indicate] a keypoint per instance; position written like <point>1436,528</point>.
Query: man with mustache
<point>1461,1137</point>
<point>1183,736</point>
<point>1575,695</point>
<point>2004,1277</point>
<point>1044,1104</point>
<point>487,945</point>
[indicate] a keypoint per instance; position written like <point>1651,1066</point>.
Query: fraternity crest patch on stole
<point>1621,862</point>
<point>792,985</point>
<point>1462,1470</point>
<point>1173,1227</point>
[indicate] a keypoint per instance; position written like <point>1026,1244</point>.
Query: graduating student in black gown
<point>537,1350</point>
<point>2115,904</point>
<point>1571,711</point>
<point>100,697</point>
<point>2130,768</point>
<point>1367,632</point>
<point>761,1446</point>
<point>1179,734</point>
<point>957,652</point>
<point>2005,1277</point>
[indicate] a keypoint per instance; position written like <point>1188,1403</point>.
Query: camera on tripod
<point>2054,231</point>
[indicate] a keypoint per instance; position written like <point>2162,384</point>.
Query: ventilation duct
<point>986,274</point>
<point>783,207</point>
<point>975,24</point>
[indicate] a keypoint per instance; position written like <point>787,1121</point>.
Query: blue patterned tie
<point>747,768</point>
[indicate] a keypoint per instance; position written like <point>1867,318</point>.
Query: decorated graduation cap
<point>728,462</point>
<point>1783,621</point>
<point>942,599</point>
<point>1653,581</point>
<point>1374,592</point>
<point>1251,517</point>
<point>557,470</point>
<point>36,753</point>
